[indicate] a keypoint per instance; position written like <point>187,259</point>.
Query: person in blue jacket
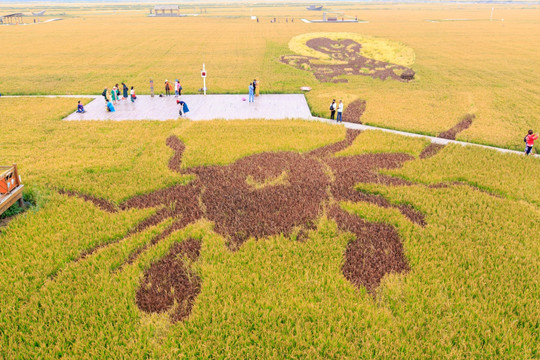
<point>183,107</point>
<point>80,108</point>
<point>110,106</point>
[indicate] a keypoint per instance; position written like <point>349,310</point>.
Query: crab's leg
<point>176,225</point>
<point>178,146</point>
<point>331,149</point>
<point>376,251</point>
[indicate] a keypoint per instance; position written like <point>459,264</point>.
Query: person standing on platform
<point>132,95</point>
<point>251,93</point>
<point>333,109</point>
<point>340,111</point>
<point>114,95</point>
<point>167,88</point>
<point>125,91</point>
<point>151,88</point>
<point>176,88</point>
<point>105,94</point>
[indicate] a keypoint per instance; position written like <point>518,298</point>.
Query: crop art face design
<point>264,195</point>
<point>345,59</point>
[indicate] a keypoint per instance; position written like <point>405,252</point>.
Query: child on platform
<point>80,108</point>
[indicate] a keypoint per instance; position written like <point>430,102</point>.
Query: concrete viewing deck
<point>209,107</point>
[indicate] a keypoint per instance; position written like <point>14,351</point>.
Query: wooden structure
<point>166,10</point>
<point>12,19</point>
<point>11,188</point>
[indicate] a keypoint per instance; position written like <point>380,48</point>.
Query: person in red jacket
<point>529,140</point>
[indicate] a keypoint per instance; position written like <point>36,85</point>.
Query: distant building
<point>166,10</point>
<point>314,7</point>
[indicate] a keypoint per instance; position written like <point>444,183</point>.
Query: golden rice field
<point>471,289</point>
<point>488,68</point>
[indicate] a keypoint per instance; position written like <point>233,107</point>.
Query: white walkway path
<point>433,139</point>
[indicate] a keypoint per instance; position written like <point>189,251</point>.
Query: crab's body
<point>284,193</point>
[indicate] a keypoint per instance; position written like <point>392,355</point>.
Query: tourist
<point>114,95</point>
<point>132,94</point>
<point>80,108</point>
<point>333,109</point>
<point>176,88</point>
<point>118,92</point>
<point>110,106</point>
<point>340,111</point>
<point>255,86</point>
<point>167,88</point>
<point>125,90</point>
<point>529,142</point>
<point>183,107</point>
<point>151,88</point>
<point>105,94</point>
<point>251,93</point>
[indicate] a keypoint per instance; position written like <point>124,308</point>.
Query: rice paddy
<point>272,239</point>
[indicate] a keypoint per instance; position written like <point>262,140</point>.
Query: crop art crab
<point>263,195</point>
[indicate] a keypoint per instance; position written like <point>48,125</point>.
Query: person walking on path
<point>254,86</point>
<point>151,88</point>
<point>529,141</point>
<point>80,108</point>
<point>125,90</point>
<point>251,93</point>
<point>118,92</point>
<point>114,95</point>
<point>333,109</point>
<point>167,88</point>
<point>132,95</point>
<point>340,111</point>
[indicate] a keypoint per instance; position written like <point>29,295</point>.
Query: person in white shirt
<point>340,111</point>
